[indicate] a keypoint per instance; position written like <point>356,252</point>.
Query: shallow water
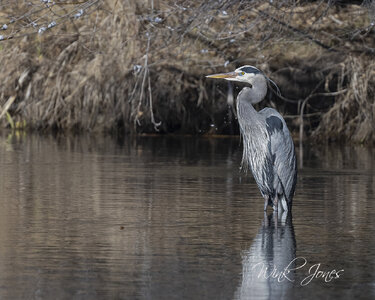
<point>174,218</point>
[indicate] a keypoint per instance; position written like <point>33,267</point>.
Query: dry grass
<point>352,116</point>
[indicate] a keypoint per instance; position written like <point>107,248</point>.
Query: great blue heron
<point>268,147</point>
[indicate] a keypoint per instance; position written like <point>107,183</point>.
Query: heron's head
<point>249,75</point>
<point>246,74</point>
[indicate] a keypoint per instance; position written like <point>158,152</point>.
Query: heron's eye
<point>242,73</point>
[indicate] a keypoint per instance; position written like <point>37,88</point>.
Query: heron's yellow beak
<point>223,75</point>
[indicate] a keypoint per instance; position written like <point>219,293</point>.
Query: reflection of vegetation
<point>10,120</point>
<point>128,65</point>
<point>15,135</point>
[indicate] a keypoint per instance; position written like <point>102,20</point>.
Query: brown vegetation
<point>128,65</point>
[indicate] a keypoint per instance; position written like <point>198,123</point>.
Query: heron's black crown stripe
<point>250,70</point>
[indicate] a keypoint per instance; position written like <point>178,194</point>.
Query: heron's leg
<point>280,206</point>
<point>275,216</point>
<point>266,199</point>
<point>275,202</point>
<point>265,220</point>
<point>284,215</point>
<point>284,203</point>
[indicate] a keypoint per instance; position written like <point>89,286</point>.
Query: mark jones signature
<point>314,272</point>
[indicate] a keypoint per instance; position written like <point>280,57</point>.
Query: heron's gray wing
<point>282,151</point>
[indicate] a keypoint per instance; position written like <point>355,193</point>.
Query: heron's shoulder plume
<point>274,83</point>
<point>274,124</point>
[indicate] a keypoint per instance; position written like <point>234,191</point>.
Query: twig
<point>305,115</point>
<point>145,70</point>
<point>156,125</point>
<point>296,30</point>
<point>304,102</point>
<point>7,106</point>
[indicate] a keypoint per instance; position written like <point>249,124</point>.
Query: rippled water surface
<point>174,218</point>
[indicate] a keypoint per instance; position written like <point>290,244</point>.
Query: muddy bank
<point>139,66</point>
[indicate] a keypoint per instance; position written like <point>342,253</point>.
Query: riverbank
<point>133,67</point>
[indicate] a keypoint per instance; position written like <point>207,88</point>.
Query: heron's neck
<point>253,132</point>
<point>257,92</point>
<point>245,109</point>
<point>247,115</point>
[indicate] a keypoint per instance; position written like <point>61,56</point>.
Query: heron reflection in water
<point>268,266</point>
<point>268,147</point>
